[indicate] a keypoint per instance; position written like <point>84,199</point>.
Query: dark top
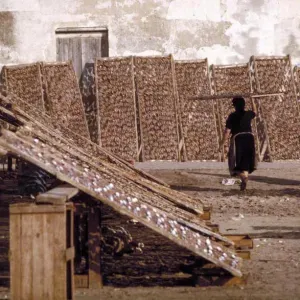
<point>240,121</point>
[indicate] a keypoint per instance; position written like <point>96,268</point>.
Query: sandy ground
<point>269,211</point>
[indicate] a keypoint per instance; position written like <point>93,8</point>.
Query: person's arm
<point>254,108</point>
<point>226,135</point>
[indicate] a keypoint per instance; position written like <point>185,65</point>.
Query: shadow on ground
<point>264,179</point>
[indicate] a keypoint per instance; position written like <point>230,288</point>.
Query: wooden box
<point>41,251</point>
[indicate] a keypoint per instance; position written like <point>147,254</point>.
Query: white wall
<point>225,31</point>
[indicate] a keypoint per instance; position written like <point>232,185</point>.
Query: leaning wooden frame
<point>157,107</point>
<point>280,114</point>
<point>199,129</point>
<point>116,103</point>
<point>25,81</point>
<point>33,143</point>
<point>100,157</point>
<point>63,98</point>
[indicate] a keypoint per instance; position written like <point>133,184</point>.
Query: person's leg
<point>244,177</point>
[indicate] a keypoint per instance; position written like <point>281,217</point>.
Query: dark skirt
<point>241,156</point>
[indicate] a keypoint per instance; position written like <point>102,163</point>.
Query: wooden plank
<point>15,227</point>
<point>59,246</point>
<point>223,96</point>
<point>241,241</point>
<point>82,30</point>
<point>58,195</point>
<point>48,262</point>
<point>181,154</point>
<point>70,243</point>
<point>244,254</point>
<point>38,252</point>
<point>76,46</point>
<point>207,210</point>
<point>26,257</point>
<point>24,208</point>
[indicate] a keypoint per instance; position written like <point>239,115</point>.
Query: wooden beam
<point>220,96</point>
<point>58,195</point>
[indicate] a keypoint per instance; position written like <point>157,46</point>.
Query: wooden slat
<point>48,262</point>
<point>58,195</point>
<point>33,209</point>
<point>15,228</point>
<point>76,56</point>
<point>38,269</point>
<point>59,235</point>
<point>26,276</point>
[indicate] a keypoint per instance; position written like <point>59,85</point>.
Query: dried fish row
<point>281,114</point>
<point>105,191</point>
<point>96,154</point>
<point>63,96</point>
<point>26,82</point>
<point>116,103</point>
<point>157,107</point>
<point>198,119</point>
<point>272,74</point>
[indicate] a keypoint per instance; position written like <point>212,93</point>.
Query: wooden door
<point>82,46</point>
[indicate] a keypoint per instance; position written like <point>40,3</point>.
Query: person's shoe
<point>244,184</point>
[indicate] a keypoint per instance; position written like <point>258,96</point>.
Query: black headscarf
<point>239,104</point>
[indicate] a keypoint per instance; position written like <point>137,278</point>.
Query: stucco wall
<point>225,31</point>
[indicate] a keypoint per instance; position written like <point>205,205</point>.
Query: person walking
<point>241,155</point>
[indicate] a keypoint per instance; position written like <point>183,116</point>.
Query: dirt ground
<point>273,272</point>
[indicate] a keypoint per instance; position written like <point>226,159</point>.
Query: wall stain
<point>202,34</point>
<point>7,21</point>
<point>292,47</point>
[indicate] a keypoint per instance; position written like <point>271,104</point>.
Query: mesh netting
<point>63,96</point>
<point>157,107</point>
<point>197,116</point>
<point>116,100</point>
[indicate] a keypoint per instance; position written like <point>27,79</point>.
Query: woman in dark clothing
<point>241,156</point>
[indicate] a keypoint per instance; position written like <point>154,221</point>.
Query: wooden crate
<point>41,251</point>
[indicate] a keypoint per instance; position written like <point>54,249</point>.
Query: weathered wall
<point>225,31</point>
